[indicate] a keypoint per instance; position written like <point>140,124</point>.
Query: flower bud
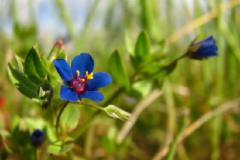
<point>202,49</point>
<point>37,138</point>
<point>116,112</point>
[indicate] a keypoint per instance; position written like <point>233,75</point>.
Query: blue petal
<point>83,62</point>
<point>208,42</point>
<point>93,95</point>
<point>209,39</point>
<point>100,79</point>
<point>208,51</point>
<point>63,69</point>
<point>68,94</point>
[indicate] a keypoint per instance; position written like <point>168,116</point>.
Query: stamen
<point>89,75</point>
<point>78,73</point>
<point>82,79</point>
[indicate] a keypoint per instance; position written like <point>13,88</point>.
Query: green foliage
<point>24,85</point>
<point>59,148</point>
<point>34,67</point>
<point>29,76</point>
<point>69,118</point>
<point>117,70</point>
<point>142,49</point>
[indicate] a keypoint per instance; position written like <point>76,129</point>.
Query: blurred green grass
<point>193,89</point>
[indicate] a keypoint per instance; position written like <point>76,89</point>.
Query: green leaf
<point>115,112</point>
<point>142,49</point>
<point>117,71</point>
<point>51,132</point>
<point>24,85</point>
<point>18,63</point>
<point>128,43</point>
<point>70,118</point>
<point>33,123</point>
<point>59,148</point>
<point>34,67</point>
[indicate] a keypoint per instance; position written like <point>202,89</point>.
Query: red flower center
<point>79,85</point>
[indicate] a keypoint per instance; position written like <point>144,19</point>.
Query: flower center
<point>79,84</point>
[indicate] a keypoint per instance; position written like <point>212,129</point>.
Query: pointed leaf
<point>70,118</point>
<point>58,148</point>
<point>34,67</point>
<point>24,85</point>
<point>142,49</point>
<point>117,70</point>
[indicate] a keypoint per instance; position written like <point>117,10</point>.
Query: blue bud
<point>202,49</point>
<point>37,138</point>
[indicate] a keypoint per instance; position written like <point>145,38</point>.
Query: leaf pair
<point>32,78</point>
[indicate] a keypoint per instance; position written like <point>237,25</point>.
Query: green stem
<point>60,113</point>
<point>181,57</point>
<point>91,105</point>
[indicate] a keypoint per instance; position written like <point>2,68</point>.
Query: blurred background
<point>101,26</point>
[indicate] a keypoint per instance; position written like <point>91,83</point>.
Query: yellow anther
<point>78,73</point>
<point>83,80</point>
<point>89,75</point>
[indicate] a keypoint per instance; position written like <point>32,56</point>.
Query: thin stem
<point>181,57</point>
<point>91,105</point>
<point>170,67</point>
<point>60,113</point>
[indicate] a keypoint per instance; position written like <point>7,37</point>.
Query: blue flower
<point>79,80</point>
<point>202,49</point>
<point>37,138</point>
